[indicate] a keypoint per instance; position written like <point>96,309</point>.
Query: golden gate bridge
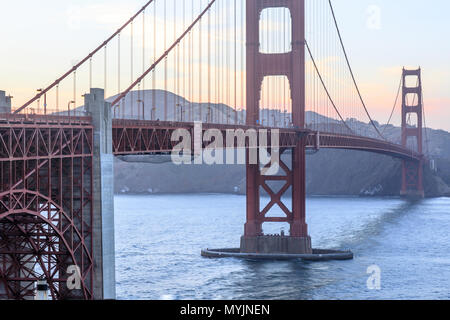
<point>277,65</point>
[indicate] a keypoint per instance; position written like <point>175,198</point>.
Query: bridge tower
<point>292,65</point>
<point>5,102</point>
<point>412,134</point>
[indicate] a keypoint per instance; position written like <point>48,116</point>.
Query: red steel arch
<point>46,238</point>
<point>46,216</point>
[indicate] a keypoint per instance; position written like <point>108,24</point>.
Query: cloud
<point>102,14</point>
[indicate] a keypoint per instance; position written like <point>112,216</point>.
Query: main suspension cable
<point>87,58</point>
<point>325,87</point>
<point>395,104</point>
<point>351,71</point>
<point>164,55</point>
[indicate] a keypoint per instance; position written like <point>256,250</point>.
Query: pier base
<point>413,194</point>
<point>276,244</point>
<point>277,247</point>
<point>315,255</point>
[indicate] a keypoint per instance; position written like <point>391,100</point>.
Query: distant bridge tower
<point>412,134</point>
<point>292,65</point>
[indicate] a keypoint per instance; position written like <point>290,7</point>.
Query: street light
<point>115,108</point>
<point>153,115</point>
<point>209,120</point>
<point>68,107</point>
<point>45,100</point>
<point>180,106</point>
<point>143,108</point>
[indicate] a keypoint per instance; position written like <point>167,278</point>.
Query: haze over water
<point>159,238</point>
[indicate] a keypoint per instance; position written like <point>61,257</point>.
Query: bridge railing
<point>79,112</point>
<point>80,118</point>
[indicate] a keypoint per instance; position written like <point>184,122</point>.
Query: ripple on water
<point>158,244</point>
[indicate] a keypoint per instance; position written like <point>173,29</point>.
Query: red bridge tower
<point>412,134</point>
<point>292,65</point>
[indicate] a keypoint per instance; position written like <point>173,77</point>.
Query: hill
<point>329,172</point>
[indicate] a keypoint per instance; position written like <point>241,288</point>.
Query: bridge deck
<point>150,137</point>
<point>141,137</point>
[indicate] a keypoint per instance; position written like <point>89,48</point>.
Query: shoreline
<point>243,194</point>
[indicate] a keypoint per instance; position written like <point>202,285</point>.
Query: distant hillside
<point>330,172</point>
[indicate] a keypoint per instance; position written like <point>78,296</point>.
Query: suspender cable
<point>165,61</point>
<point>426,129</point>
<point>164,55</point>
<point>57,98</point>
<point>227,61</point>
<point>235,62</point>
<point>351,71</point>
<point>191,114</point>
<point>325,87</point>
<point>90,73</point>
<point>217,66</point>
<point>184,56</point>
<point>131,68</point>
<point>106,67</point>
<point>43,92</point>
<point>118,64</point>
<point>176,105</point>
<point>209,67</point>
<point>153,112</point>
<point>74,89</point>
<point>243,97</point>
<point>143,65</point>
<point>395,104</point>
<point>200,69</point>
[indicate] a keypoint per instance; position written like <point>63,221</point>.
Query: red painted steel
<point>292,65</point>
<point>144,137</point>
<point>83,61</point>
<point>412,171</point>
<point>45,205</point>
<point>163,56</point>
<point>46,190</point>
<point>46,178</point>
<point>153,137</point>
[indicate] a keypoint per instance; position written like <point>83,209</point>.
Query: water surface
<point>159,238</point>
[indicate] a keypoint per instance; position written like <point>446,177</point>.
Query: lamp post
<point>153,115</point>
<point>45,100</point>
<point>68,107</point>
<point>143,108</point>
<point>180,106</point>
<point>209,120</point>
<point>115,108</point>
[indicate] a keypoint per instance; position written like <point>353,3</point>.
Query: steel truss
<point>45,205</point>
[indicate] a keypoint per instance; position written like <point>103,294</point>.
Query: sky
<point>40,40</point>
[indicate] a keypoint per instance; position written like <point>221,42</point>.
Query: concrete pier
<point>103,171</point>
<point>5,103</point>
<point>271,244</point>
<point>277,247</point>
<point>315,255</point>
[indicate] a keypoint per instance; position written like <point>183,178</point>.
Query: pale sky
<point>40,40</point>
